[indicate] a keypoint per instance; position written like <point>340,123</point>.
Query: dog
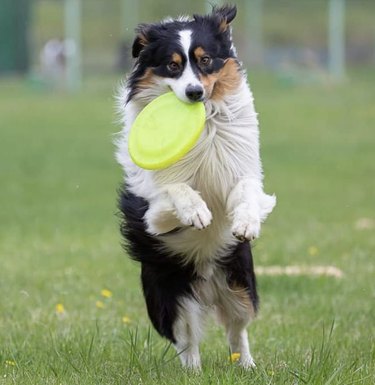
<point>190,225</point>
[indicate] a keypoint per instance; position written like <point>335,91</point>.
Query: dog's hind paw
<point>246,230</point>
<point>247,363</point>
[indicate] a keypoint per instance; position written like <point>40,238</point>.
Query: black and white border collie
<point>189,225</point>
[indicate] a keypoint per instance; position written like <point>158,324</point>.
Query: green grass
<point>59,243</point>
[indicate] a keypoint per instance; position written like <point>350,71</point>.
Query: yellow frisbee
<point>164,131</point>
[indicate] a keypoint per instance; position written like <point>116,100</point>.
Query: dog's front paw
<point>195,214</point>
<point>246,229</point>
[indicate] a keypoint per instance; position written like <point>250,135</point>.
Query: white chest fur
<point>227,152</point>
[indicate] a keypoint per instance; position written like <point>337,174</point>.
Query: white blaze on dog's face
<point>194,58</point>
<point>187,86</point>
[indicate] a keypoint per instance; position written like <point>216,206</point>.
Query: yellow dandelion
<point>313,251</point>
<point>99,305</point>
<point>106,293</point>
<point>60,309</point>
<point>10,363</point>
<point>234,357</point>
<point>126,320</point>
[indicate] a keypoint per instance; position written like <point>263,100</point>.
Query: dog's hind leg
<point>171,306</point>
<point>238,300</point>
<point>187,331</point>
<point>235,322</point>
<point>239,343</point>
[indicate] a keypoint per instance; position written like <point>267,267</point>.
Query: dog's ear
<point>141,39</point>
<point>225,15</point>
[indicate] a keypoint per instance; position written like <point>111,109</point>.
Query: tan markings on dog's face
<point>208,82</point>
<point>177,58</point>
<point>147,80</point>
<point>198,53</point>
<point>228,79</point>
<point>223,82</point>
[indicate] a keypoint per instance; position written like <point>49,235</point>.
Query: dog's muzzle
<point>194,93</point>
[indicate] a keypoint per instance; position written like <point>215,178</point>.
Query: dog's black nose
<point>194,93</point>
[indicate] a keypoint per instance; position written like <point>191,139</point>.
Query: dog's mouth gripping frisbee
<point>165,131</point>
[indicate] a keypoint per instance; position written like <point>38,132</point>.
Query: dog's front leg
<point>175,205</point>
<point>247,207</point>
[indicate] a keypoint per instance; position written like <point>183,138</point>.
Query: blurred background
<point>60,42</point>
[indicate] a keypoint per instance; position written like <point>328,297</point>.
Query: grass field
<point>60,246</point>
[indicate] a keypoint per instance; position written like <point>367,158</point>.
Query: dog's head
<point>194,58</point>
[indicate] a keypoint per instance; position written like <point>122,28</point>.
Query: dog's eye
<point>173,66</point>
<point>205,61</point>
